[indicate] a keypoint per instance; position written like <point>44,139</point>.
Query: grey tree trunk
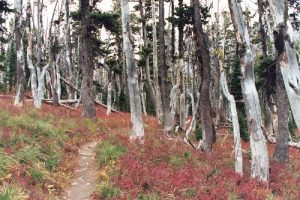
<point>20,54</point>
<point>288,62</point>
<point>287,77</point>
<point>236,126</point>
<point>132,77</point>
<point>204,59</point>
<point>159,110</point>
<point>259,151</point>
<point>69,63</point>
<point>89,108</point>
<point>163,73</point>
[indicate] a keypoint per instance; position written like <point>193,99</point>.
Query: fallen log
<point>97,102</point>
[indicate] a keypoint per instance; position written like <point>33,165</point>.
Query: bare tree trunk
<point>20,54</point>
<point>204,58</point>
<point>262,25</point>
<point>163,73</point>
<point>133,85</point>
<point>159,110</point>
<point>287,58</point>
<point>146,74</point>
<point>89,108</point>
<point>69,62</point>
<point>182,104</point>
<point>259,151</point>
<point>109,89</point>
<point>236,126</point>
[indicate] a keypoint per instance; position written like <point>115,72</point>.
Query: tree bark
<point>287,57</point>
<point>287,77</point>
<point>163,73</point>
<point>159,111</point>
<point>89,108</point>
<point>259,151</point>
<point>204,59</point>
<point>236,126</point>
<point>182,104</point>
<point>133,85</point>
<point>20,55</point>
<point>146,57</point>
<point>69,63</point>
<point>262,26</point>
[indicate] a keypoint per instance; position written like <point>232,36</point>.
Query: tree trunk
<point>236,126</point>
<point>182,104</point>
<point>133,85</point>
<point>204,58</point>
<point>89,108</point>
<point>287,77</point>
<point>259,151</point>
<point>69,63</point>
<point>163,73</point>
<point>109,89</point>
<point>287,58</point>
<point>20,55</point>
<point>146,57</point>
<point>262,26</point>
<point>159,111</point>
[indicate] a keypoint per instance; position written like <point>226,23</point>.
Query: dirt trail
<point>83,185</point>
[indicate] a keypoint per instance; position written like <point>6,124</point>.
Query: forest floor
<point>47,153</point>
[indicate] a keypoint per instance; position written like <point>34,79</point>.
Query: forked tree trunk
<point>89,108</point>
<point>204,59</point>
<point>259,151</point>
<point>132,78</point>
<point>287,78</point>
<point>20,54</point>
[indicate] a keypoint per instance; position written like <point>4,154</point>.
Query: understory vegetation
<point>38,153</point>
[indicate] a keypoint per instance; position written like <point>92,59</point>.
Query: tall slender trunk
<point>133,85</point>
<point>149,82</point>
<point>182,106</point>
<point>163,73</point>
<point>262,26</point>
<point>69,63</point>
<point>204,59</point>
<point>20,55</point>
<point>259,151</point>
<point>159,111</point>
<point>89,108</point>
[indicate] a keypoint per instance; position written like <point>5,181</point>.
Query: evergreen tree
<point>11,70</point>
<point>236,91</point>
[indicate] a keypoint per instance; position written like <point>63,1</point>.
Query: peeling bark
<point>259,151</point>
<point>132,78</point>
<point>20,54</point>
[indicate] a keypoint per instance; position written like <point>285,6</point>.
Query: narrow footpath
<point>85,180</point>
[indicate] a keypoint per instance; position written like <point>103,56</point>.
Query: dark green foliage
<point>292,127</point>
<point>124,102</point>
<point>11,68</point>
<point>4,9</point>
<point>235,81</point>
<point>111,21</point>
<point>198,132</point>
<point>149,104</point>
<point>265,75</point>
<point>236,91</point>
<point>187,13</point>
